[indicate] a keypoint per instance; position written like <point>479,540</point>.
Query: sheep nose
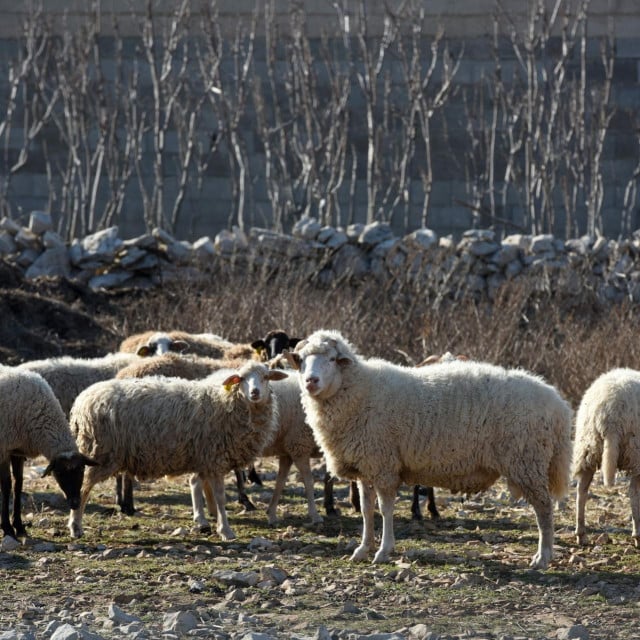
<point>312,380</point>
<point>255,394</point>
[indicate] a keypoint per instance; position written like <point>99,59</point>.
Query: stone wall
<point>210,203</point>
<point>478,265</point>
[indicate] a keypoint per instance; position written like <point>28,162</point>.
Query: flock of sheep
<point>175,403</point>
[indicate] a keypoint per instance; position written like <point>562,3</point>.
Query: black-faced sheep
<point>32,423</point>
<point>151,427</point>
<point>608,435</point>
<point>459,425</point>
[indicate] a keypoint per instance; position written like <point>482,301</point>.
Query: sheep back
<point>155,426</point>
<point>32,422</point>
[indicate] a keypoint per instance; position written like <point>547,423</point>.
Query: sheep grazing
<point>150,343</point>
<point>151,427</point>
<point>68,376</point>
<point>32,423</point>
<point>607,435</point>
<point>175,366</point>
<point>459,425</point>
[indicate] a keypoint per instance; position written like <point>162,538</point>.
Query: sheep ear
<point>259,346</point>
<point>429,360</point>
<point>293,342</point>
<point>275,374</point>
<point>144,351</point>
<point>48,470</point>
<point>293,359</point>
<point>178,346</point>
<point>343,361</point>
<point>232,380</point>
<point>300,345</point>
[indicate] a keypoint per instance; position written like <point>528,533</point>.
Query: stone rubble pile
<point>478,264</point>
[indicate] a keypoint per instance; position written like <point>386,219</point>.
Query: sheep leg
<point>329,502</point>
<point>634,498</point>
<point>124,493</point>
<point>17,465</point>
<point>223,528</point>
<point>354,496</point>
<point>543,507</point>
<point>253,476</point>
<point>582,491</point>
<point>5,488</point>
<point>307,478</point>
<point>284,466</point>
<point>243,498</point>
<point>368,497</point>
<point>386,500</point>
<point>415,504</point>
<point>431,503</point>
<point>197,486</point>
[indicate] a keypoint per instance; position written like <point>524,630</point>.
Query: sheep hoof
<point>381,557</point>
<point>203,528</point>
<point>227,534</point>
<point>75,530</point>
<point>581,538</point>
<point>539,561</point>
<point>360,554</point>
<point>248,505</point>
<point>636,541</point>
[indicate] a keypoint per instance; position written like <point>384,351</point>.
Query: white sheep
<point>149,343</point>
<point>189,367</point>
<point>32,423</point>
<point>68,376</point>
<point>608,435</point>
<point>151,427</point>
<point>293,443</point>
<point>459,425</point>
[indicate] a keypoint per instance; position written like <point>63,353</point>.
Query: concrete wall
<point>210,205</point>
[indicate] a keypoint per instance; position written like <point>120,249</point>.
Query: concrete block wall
<point>210,206</point>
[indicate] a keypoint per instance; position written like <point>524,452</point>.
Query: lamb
<point>608,435</point>
<point>151,427</point>
<point>174,366</point>
<point>68,376</point>
<point>32,423</point>
<point>459,425</point>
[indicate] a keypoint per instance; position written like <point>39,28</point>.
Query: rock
<point>275,575</point>
<point>307,228</point>
<point>180,621</point>
<point>53,240</point>
<point>543,243</point>
<point>51,262</point>
<point>40,221</point>
<point>109,280</point>
<point>204,249</point>
<point>7,243</point>
<point>9,544</point>
<point>237,578</point>
<point>26,239</point>
<point>422,239</point>
<point>117,615</point>
<point>103,244</point>
<point>9,225</point>
<point>375,233</point>
<point>66,632</point>
<point>576,632</point>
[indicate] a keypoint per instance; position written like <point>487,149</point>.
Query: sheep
<point>32,423</point>
<point>151,343</point>
<point>273,344</point>
<point>174,366</point>
<point>459,425</point>
<point>608,435</point>
<point>68,376</point>
<point>293,443</point>
<point>155,426</point>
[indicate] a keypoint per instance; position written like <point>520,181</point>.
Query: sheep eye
<point>332,359</point>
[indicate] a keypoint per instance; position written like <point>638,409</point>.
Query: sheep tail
<point>610,454</point>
